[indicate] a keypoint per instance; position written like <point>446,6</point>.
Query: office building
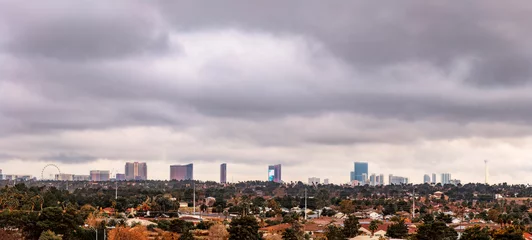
<point>274,173</point>
<point>313,181</point>
<point>182,172</point>
<point>120,177</point>
<point>455,181</point>
<point>136,171</point>
<point>360,168</point>
<point>372,179</point>
<point>397,180</point>
<point>81,178</point>
<point>19,178</point>
<point>223,173</point>
<point>426,178</point>
<point>434,178</point>
<point>364,179</point>
<point>326,181</point>
<point>99,175</point>
<point>1,176</point>
<point>445,178</point>
<point>379,179</point>
<point>64,177</point>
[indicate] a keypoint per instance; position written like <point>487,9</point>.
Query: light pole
<point>305,204</point>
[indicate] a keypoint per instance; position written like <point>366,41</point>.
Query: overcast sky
<point>412,87</point>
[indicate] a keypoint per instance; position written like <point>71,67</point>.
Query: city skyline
<point>410,87</point>
<point>186,172</point>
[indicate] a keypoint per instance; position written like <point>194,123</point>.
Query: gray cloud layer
<point>262,81</point>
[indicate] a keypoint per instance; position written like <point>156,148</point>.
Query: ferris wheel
<point>53,166</point>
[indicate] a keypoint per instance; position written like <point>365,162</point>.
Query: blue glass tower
<point>360,171</point>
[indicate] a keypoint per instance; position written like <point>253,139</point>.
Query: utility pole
<point>194,196</point>
<point>413,203</point>
<point>305,204</point>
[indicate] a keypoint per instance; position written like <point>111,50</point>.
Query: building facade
<point>313,180</point>
<point>64,177</point>
<point>274,173</point>
<point>326,181</point>
<point>426,178</point>
<point>360,172</point>
<point>397,180</point>
<point>445,178</point>
<point>120,177</point>
<point>182,172</point>
<point>223,173</point>
<point>81,178</point>
<point>99,175</point>
<point>434,178</point>
<point>136,171</point>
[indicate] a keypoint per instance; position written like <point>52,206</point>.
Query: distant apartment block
<point>313,181</point>
<point>1,176</point>
<point>18,177</point>
<point>81,178</point>
<point>397,180</point>
<point>326,181</point>
<point>99,175</point>
<point>274,173</point>
<point>64,177</point>
<point>426,178</point>
<point>434,178</point>
<point>182,172</point>
<point>120,177</point>
<point>445,178</point>
<point>223,173</point>
<point>136,171</point>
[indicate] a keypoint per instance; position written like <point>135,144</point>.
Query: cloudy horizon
<point>411,87</point>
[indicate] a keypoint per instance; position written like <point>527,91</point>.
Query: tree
<point>351,226</point>
<point>508,233</point>
<point>187,235</point>
<point>49,235</point>
<point>203,207</point>
<point>127,233</point>
<point>347,207</point>
<point>218,232</point>
<point>8,235</point>
<point>373,226</point>
<point>294,233</point>
<point>476,233</point>
<point>180,226</point>
<point>435,231</point>
<point>334,233</point>
<point>397,229</point>
<point>244,228</point>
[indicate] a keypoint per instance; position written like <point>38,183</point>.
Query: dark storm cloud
<point>73,67</point>
<point>82,30</point>
<point>372,34</point>
<point>69,158</point>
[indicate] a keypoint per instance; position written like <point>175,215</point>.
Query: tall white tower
<point>486,171</point>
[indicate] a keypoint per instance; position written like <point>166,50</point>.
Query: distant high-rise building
<point>64,177</point>
<point>99,175</point>
<point>1,176</point>
<point>136,171</point>
<point>182,172</point>
<point>426,178</point>
<point>372,179</point>
<point>445,178</point>
<point>120,177</point>
<point>360,168</point>
<point>81,178</point>
<point>274,173</point>
<point>381,179</point>
<point>397,180</point>
<point>434,178</point>
<point>455,181</point>
<point>313,181</point>
<point>223,173</point>
<point>326,181</point>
